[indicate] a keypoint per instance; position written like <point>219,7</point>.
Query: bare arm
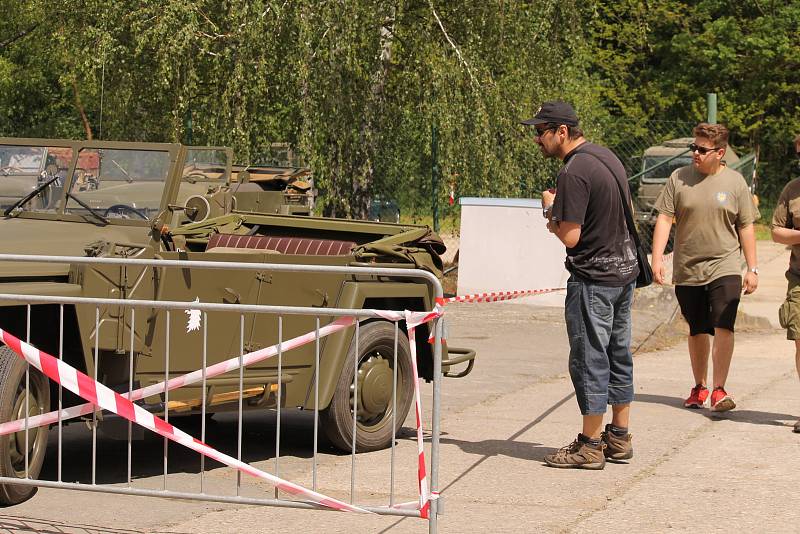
<point>747,238</point>
<point>569,233</point>
<point>786,236</point>
<point>660,238</point>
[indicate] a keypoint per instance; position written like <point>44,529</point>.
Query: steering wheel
<point>123,208</point>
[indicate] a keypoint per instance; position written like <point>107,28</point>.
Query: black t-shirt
<point>588,194</point>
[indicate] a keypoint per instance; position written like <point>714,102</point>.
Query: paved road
<point>692,470</point>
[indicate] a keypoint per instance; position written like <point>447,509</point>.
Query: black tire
<point>376,358</point>
<point>12,406</point>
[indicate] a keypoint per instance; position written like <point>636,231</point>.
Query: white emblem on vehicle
<point>194,318</point>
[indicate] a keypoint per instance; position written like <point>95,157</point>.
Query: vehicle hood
<point>52,238</point>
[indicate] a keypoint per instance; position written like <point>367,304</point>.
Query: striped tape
<point>497,295</point>
<point>107,399</point>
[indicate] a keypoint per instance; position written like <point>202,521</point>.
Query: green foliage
<point>657,60</point>
<point>358,86</point>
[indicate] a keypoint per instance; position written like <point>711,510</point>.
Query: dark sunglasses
<point>702,149</point>
<point>540,133</point>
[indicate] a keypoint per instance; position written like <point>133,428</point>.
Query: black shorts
<point>710,306</point>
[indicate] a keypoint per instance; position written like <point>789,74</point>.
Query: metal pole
<point>711,103</point>
<point>435,417</point>
<point>435,175</point>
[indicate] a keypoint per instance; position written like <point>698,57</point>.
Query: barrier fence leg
<point>241,394</point>
<point>280,393</point>
<point>394,415</point>
<point>166,396</point>
<point>435,425</point>
<point>27,391</point>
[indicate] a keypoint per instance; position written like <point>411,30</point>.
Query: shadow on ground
<point>18,525</point>
<point>147,455</point>
<point>740,416</point>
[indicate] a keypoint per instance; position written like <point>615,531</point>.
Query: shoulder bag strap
<point>625,204</point>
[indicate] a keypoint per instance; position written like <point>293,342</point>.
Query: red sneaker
<point>697,398</point>
<point>721,401</point>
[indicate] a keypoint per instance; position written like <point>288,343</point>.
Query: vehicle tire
<point>374,429</point>
<point>12,406</point>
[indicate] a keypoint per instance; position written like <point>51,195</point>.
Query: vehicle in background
<point>277,189</point>
<point>383,210</point>
<point>24,168</point>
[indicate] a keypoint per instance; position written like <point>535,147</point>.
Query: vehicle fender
<point>359,295</point>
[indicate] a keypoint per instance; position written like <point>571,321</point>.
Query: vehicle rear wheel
<point>375,375</point>
<point>12,406</point>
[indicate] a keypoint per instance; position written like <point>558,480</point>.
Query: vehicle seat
<point>285,245</point>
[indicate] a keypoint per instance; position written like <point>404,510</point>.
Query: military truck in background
<point>657,164</point>
<point>275,189</point>
<point>161,201</point>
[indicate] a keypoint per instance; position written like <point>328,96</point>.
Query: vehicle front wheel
<point>13,392</point>
<point>374,429</point>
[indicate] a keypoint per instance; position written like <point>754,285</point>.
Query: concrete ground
<point>692,470</point>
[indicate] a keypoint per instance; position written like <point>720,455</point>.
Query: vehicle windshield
<point>664,171</point>
<point>118,183</point>
<point>205,165</point>
<point>25,168</point>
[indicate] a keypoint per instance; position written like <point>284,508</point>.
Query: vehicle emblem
<point>194,318</point>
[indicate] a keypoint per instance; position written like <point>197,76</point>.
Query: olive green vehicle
<point>172,202</point>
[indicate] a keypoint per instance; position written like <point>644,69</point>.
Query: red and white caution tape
<point>194,377</point>
<point>497,296</point>
<point>424,501</point>
<point>100,395</point>
<point>414,319</point>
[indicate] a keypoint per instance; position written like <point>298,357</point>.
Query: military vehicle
<point>658,163</point>
<point>386,210</point>
<point>173,202</point>
<point>23,169</point>
<point>283,190</point>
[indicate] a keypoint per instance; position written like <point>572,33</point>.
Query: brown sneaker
<point>578,455</point>
<point>797,426</point>
<point>616,448</point>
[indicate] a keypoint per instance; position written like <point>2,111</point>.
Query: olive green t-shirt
<point>708,212</point>
<point>787,215</point>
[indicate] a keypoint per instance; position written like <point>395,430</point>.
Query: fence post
<point>711,104</point>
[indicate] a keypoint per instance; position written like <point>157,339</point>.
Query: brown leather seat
<point>285,245</point>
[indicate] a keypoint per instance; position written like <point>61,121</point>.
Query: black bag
<point>645,277</point>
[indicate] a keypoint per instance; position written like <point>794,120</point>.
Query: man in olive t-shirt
<point>714,213</point>
<point>786,230</point>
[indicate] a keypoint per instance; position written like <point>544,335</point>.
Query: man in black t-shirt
<point>587,215</point>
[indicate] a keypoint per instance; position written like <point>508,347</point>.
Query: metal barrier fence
<point>128,403</point>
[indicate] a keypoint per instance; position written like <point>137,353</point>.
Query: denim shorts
<point>600,361</point>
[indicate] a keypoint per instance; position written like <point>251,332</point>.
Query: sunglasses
<point>540,133</point>
<point>702,149</point>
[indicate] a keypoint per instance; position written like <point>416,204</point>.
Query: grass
<point>763,232</point>
<point>449,224</point>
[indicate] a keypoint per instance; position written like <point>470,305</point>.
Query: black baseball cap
<point>553,111</point>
